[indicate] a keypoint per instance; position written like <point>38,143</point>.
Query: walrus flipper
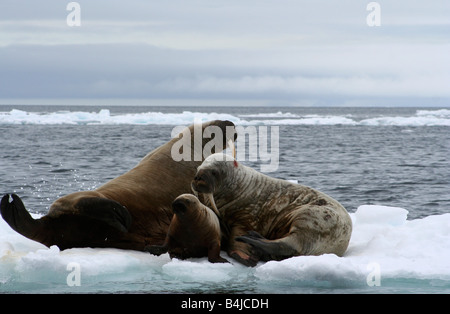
<point>106,210</point>
<point>18,218</point>
<point>268,249</point>
<point>157,249</point>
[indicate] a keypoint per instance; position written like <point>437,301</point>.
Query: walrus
<point>193,232</point>
<point>131,211</point>
<point>269,218</point>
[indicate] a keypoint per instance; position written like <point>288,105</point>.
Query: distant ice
<point>105,117</point>
<point>406,255</point>
<point>278,114</point>
<point>439,117</point>
<point>444,113</point>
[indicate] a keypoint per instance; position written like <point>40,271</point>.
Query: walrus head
<point>187,205</point>
<point>210,173</point>
<point>205,181</point>
<point>182,203</point>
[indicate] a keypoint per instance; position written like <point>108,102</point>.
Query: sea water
<point>388,166</point>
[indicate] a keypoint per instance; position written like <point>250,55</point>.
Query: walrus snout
<point>183,202</point>
<point>203,182</point>
<point>179,207</point>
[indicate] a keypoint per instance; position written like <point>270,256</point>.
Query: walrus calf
<point>193,232</point>
<point>268,218</point>
<point>131,211</point>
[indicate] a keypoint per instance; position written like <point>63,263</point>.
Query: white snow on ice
<point>405,256</point>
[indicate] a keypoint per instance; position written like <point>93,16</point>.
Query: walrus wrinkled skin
<point>193,232</point>
<point>268,218</point>
<point>131,211</point>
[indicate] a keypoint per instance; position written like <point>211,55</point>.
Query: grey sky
<point>267,52</point>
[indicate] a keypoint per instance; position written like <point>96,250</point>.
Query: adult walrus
<point>131,211</point>
<point>193,232</point>
<point>268,218</point>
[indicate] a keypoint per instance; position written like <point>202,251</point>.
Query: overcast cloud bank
<point>267,52</point>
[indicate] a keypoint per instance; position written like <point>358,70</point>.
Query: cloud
<point>224,49</point>
<point>285,87</point>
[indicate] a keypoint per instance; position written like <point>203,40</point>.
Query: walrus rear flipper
<point>106,210</point>
<point>19,219</point>
<point>268,249</point>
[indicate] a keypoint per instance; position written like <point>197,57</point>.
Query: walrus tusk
<point>194,192</point>
<point>232,147</point>
<point>213,204</point>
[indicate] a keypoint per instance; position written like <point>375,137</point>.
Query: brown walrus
<point>268,218</point>
<point>193,232</point>
<point>131,211</point>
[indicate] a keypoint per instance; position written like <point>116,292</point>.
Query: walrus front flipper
<point>106,210</point>
<point>18,218</point>
<point>269,249</point>
<point>157,249</point>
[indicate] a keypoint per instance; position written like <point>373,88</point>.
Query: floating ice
<point>406,255</point>
<point>384,215</point>
<point>439,117</point>
<point>445,113</point>
<point>278,114</point>
<point>104,116</point>
<point>308,120</point>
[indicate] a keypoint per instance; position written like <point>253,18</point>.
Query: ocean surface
<point>389,167</point>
